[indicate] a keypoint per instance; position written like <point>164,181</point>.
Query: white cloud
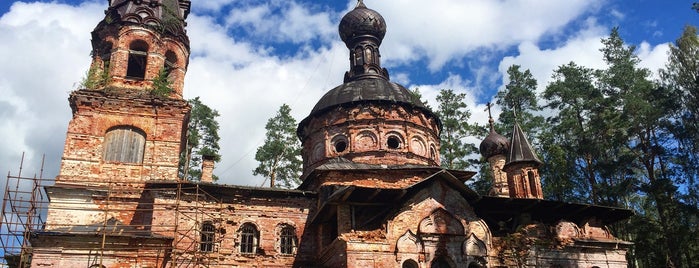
<point>283,21</point>
<point>443,30</point>
<point>247,86</point>
<point>653,58</point>
<point>45,50</point>
<point>583,49</point>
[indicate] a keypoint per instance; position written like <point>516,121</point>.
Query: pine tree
<point>202,139</point>
<point>519,100</point>
<point>453,112</point>
<point>279,157</point>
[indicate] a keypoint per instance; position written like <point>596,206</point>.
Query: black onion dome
<point>494,144</point>
<point>362,21</point>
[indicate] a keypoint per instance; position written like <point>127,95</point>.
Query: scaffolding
<point>23,211</point>
<point>26,206</point>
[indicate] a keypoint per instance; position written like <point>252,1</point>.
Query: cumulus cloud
<point>583,49</point>
<point>45,50</point>
<point>283,21</point>
<point>236,67</point>
<point>445,30</point>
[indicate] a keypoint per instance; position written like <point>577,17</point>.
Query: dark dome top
<point>366,90</point>
<point>362,21</point>
<point>494,144</point>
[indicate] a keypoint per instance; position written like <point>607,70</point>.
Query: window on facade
<point>532,182</point>
<point>138,55</point>
<point>124,144</point>
<point>249,239</point>
<point>393,142</point>
<point>207,237</point>
<point>287,243</point>
<point>170,62</point>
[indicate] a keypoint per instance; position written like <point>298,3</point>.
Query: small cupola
<point>362,30</point>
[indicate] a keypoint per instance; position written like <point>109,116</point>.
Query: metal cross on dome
<point>490,115</point>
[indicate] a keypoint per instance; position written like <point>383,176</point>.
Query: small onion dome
<point>362,21</point>
<point>494,144</point>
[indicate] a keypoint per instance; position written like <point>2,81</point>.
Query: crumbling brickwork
<point>373,134</point>
<point>96,112</point>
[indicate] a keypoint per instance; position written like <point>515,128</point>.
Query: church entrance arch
<point>441,262</point>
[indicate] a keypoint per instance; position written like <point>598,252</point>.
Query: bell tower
<point>128,114</point>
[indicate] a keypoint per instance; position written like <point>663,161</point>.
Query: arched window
<point>124,144</point>
<point>206,243</point>
<point>410,264</point>
<point>249,239</point>
<point>532,182</point>
<point>170,62</point>
<point>138,58</point>
<point>287,240</point>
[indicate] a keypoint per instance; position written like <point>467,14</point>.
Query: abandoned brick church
<point>373,191</point>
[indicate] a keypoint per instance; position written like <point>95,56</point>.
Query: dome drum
<point>364,132</point>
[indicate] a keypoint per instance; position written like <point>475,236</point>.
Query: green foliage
<point>202,139</point>
<point>417,97</point>
<point>162,86</point>
<point>279,157</point>
<point>95,77</point>
<point>453,112</point>
<point>617,138</point>
<point>519,99</point>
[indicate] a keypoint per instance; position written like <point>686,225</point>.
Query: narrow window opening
<point>248,239</point>
<point>138,59</point>
<point>532,182</point>
<point>170,62</point>
<point>207,237</point>
<point>287,243</point>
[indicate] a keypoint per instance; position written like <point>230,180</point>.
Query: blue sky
<point>251,56</point>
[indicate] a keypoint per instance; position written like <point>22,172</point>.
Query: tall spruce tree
<point>453,112</point>
<point>280,156</point>
<point>202,139</point>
